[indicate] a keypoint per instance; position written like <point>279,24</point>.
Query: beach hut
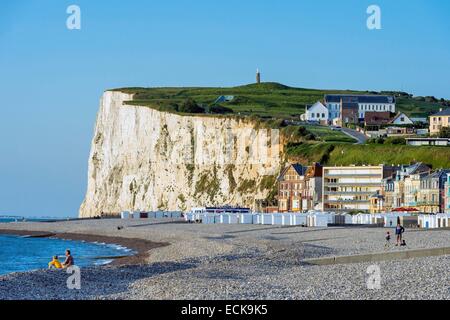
<point>143,215</point>
<point>409,221</point>
<point>234,219</point>
<point>343,219</point>
<point>175,214</point>
<point>290,219</point>
<point>136,215</point>
<point>331,217</point>
<point>125,215</point>
<point>278,219</point>
<point>427,221</point>
<point>300,219</point>
<point>317,220</point>
<point>151,214</point>
<point>246,218</point>
<point>256,219</point>
<point>228,219</point>
<point>442,220</point>
<point>377,219</point>
<point>361,218</point>
<point>267,219</point>
<point>209,219</point>
<point>390,220</point>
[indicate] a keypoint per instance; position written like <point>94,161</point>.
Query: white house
<point>317,112</point>
<point>402,118</point>
<point>365,103</point>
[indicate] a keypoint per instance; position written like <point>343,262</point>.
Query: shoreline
<point>141,247</point>
<point>244,262</point>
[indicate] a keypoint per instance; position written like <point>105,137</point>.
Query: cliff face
<point>144,159</point>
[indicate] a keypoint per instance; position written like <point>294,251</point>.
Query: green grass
<point>417,109</point>
<point>438,157</point>
<point>261,103</point>
<point>368,154</point>
<point>328,135</point>
<point>307,153</point>
<point>265,100</point>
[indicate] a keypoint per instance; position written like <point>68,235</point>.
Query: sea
<point>21,253</point>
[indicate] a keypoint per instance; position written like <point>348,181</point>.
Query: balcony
<point>345,201</point>
<point>333,193</point>
<point>348,184</point>
<point>427,204</point>
<point>351,175</point>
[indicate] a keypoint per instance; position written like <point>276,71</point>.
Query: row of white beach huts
<point>151,214</point>
<point>323,219</point>
<point>311,219</point>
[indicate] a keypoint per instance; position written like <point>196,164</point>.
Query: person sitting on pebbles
<point>69,260</point>
<point>55,264</point>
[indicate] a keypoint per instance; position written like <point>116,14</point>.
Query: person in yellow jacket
<point>55,264</point>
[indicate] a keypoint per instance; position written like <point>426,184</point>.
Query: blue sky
<point>51,78</point>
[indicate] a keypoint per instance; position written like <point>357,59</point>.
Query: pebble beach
<point>177,260</point>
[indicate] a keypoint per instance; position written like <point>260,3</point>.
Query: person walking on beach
<point>55,264</point>
<point>69,260</point>
<point>399,230</point>
<point>388,240</point>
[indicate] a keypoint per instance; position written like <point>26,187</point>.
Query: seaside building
<point>291,184</point>
<point>372,118</point>
<point>317,113</point>
<point>447,195</point>
<point>439,121</point>
<point>300,188</point>
<point>349,107</point>
<point>396,192</point>
<point>417,142</point>
<point>376,203</point>
<point>312,193</point>
<point>402,119</point>
<point>431,195</point>
<point>351,188</point>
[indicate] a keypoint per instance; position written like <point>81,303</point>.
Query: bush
<point>396,141</point>
<point>220,109</point>
<point>445,132</point>
<point>190,106</point>
<point>302,131</point>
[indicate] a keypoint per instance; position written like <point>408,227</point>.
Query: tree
<point>445,132</point>
<point>190,106</point>
<point>220,109</point>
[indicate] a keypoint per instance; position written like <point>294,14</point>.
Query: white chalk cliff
<point>144,159</point>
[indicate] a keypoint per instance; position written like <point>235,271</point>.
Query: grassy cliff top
<point>265,100</point>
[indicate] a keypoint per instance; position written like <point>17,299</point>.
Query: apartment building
<point>447,195</point>
<point>439,120</point>
<point>431,195</point>
<point>347,107</point>
<point>300,188</point>
<point>291,184</point>
<point>394,190</point>
<point>351,188</point>
<point>312,193</point>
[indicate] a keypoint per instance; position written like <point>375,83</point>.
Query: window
<point>312,115</point>
<point>323,115</point>
<point>318,115</point>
